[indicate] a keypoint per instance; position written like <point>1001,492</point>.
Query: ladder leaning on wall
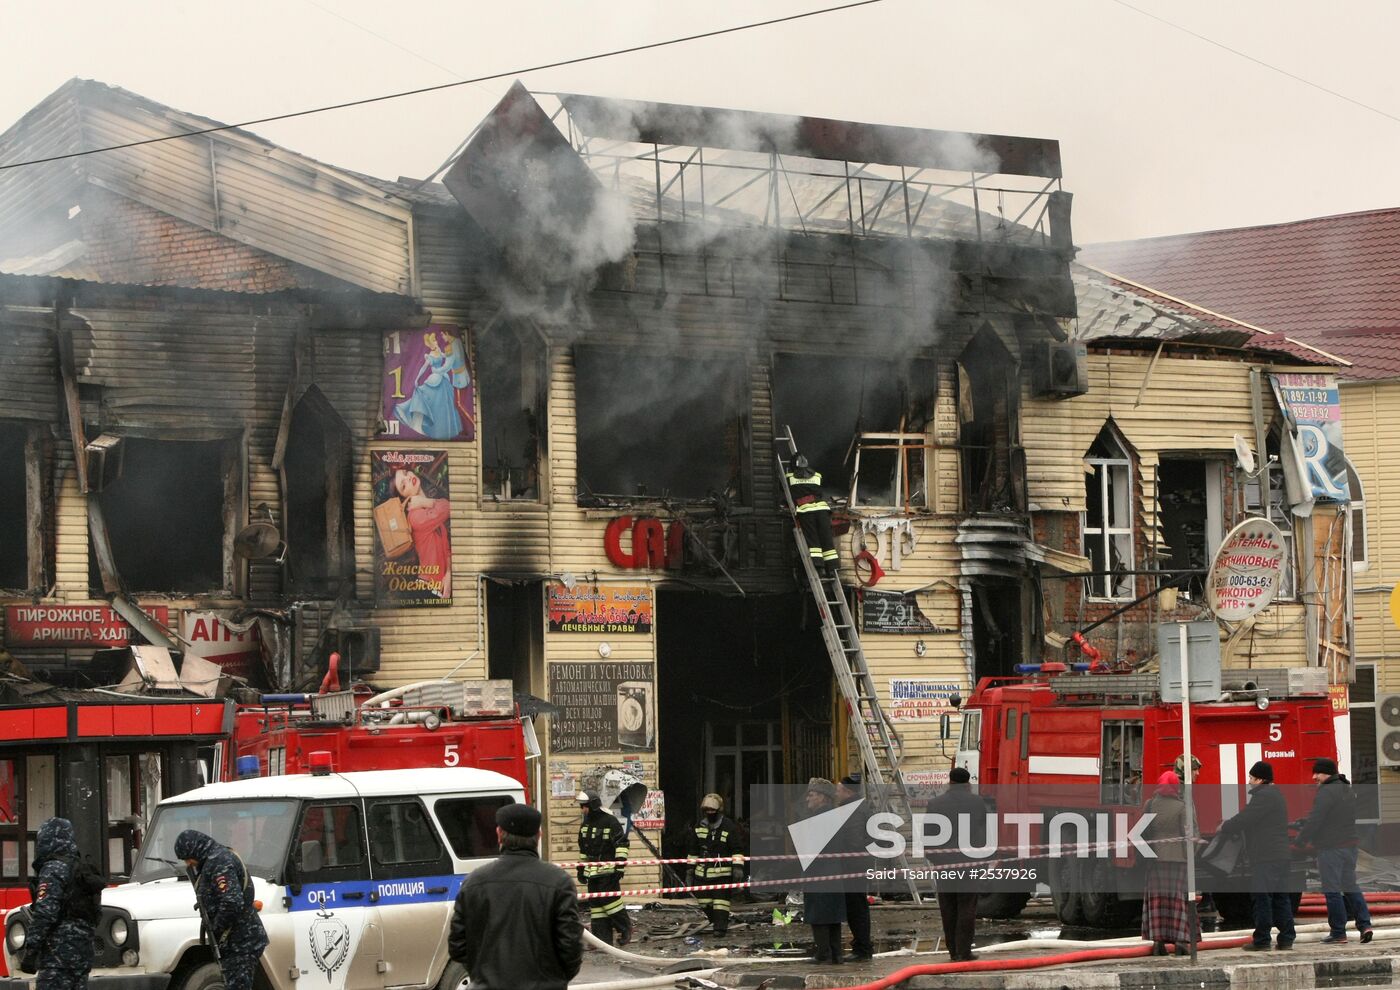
<point>880,748</point>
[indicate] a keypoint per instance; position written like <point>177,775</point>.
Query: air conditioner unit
<point>104,461</point>
<point>1060,369</point>
<point>1388,730</point>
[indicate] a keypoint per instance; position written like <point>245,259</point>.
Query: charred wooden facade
<point>653,295</point>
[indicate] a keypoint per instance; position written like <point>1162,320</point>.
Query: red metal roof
<point>1331,281</point>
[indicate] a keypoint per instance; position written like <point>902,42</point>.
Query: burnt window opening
<point>657,424</point>
<point>170,516</point>
<point>829,402</point>
<point>998,628</point>
<point>510,383</point>
<point>14,506</point>
<point>1108,518</point>
<point>1265,495</point>
<point>319,498</point>
<point>1190,494</point>
<point>993,466</point>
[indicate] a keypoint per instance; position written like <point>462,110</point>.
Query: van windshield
<point>258,831</point>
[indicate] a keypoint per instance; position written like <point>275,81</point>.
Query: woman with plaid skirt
<point>1164,915</point>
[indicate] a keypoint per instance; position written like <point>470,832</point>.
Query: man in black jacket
<point>957,898</point>
<point>1331,830</point>
<point>1264,825</point>
<point>854,838</point>
<point>516,925</point>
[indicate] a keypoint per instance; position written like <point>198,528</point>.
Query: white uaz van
<point>356,874</point>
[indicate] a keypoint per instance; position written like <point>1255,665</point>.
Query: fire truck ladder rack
<point>881,751</point>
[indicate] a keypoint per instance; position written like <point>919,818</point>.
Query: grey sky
<point>1160,132</point>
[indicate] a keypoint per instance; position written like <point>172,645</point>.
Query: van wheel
<point>454,976</point>
<point>1069,907</point>
<point>205,977</point>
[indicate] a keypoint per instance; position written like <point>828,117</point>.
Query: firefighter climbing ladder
<point>880,748</point>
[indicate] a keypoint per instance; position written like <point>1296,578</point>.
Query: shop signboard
<point>72,625</point>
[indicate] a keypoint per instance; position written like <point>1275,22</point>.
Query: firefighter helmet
<point>800,464</point>
<point>712,802</point>
<point>590,799</point>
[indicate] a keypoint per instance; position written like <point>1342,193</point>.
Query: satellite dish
<point>1244,455</point>
<point>260,541</point>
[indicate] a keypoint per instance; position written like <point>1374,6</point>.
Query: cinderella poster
<point>428,388</point>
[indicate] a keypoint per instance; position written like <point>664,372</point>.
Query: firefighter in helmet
<point>715,858</point>
<point>603,845</point>
<point>813,514</point>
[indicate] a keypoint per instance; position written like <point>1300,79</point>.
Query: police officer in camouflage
<point>60,943</point>
<point>225,892</point>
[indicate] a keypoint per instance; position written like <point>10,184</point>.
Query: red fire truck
<point>1055,740</point>
<point>430,724</point>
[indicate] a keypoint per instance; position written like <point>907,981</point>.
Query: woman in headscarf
<point>1165,917</point>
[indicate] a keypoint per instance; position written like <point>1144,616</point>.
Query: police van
<point>355,875</point>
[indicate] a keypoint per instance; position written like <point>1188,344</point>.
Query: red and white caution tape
<point>740,885</point>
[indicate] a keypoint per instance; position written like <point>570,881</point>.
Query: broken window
<point>1356,513</point>
<point>993,466</point>
<point>1108,518</point>
<point>658,424</point>
<point>510,383</point>
<point>1269,479</point>
<point>1190,494</point>
<point>14,507</point>
<point>171,514</point>
<point>829,402</point>
<point>320,507</point>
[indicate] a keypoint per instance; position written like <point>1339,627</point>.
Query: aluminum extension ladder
<point>881,751</point>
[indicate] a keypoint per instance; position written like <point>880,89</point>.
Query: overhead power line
<point>1259,61</point>
<point>451,85</point>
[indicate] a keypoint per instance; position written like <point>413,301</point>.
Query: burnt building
<point>523,423</point>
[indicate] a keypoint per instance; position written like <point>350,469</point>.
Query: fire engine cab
<point>1056,740</point>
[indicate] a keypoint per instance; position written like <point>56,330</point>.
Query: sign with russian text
<point>920,699</point>
<point>1315,406</point>
<point>72,625</point>
<point>894,612</point>
<point>605,707</point>
<point>600,608</point>
<point>1247,570</point>
<point>412,528</point>
<point>652,814</point>
<point>427,392</point>
<point>207,637</point>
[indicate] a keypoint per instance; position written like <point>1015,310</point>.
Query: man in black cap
<point>1264,825</point>
<point>957,900</point>
<point>603,845</point>
<point>516,921</point>
<point>1331,830</point>
<point>854,838</point>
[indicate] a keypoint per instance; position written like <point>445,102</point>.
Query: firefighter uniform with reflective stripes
<point>715,837</point>
<point>813,514</point>
<point>601,840</point>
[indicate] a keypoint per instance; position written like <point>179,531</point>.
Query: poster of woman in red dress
<point>412,519</point>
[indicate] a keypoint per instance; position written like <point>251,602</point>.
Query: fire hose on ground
<point>1127,947</point>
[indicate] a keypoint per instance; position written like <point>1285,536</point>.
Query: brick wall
<point>129,242</point>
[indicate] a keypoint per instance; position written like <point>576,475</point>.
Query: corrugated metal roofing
<point>1331,281</point>
<point>1115,308</point>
